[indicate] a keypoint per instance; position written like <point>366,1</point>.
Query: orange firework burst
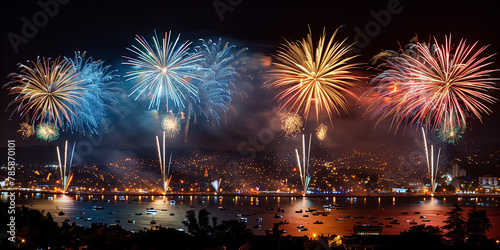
<point>306,75</point>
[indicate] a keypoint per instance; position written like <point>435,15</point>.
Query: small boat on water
<point>117,221</point>
<point>339,219</point>
<point>257,226</point>
<point>300,211</point>
<point>172,202</point>
<point>269,208</point>
<point>61,213</point>
<point>417,213</point>
<point>305,215</point>
<point>243,219</point>
<point>140,213</point>
<point>422,217</point>
<point>97,208</point>
<point>280,210</point>
<point>88,219</point>
<point>278,216</point>
<point>426,220</point>
<point>404,213</point>
<point>66,220</point>
<point>135,199</point>
<point>259,219</point>
<point>172,214</point>
<point>317,222</point>
<point>131,221</point>
<point>238,215</point>
<point>388,225</point>
<point>222,208</point>
<point>151,211</point>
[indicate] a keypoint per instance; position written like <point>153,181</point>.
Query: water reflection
<point>339,219</point>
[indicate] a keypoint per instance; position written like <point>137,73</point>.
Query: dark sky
<point>104,30</point>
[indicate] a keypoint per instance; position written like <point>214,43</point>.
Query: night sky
<point>105,30</point>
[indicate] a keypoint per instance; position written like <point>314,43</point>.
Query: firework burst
<point>163,71</point>
<point>291,124</point>
<point>171,125</point>
<point>452,136</point>
<point>26,130</point>
<point>439,86</point>
<point>48,91</point>
<point>47,132</point>
<point>308,76</point>
<point>321,132</point>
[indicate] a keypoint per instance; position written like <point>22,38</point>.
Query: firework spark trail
<point>305,176</point>
<point>216,185</point>
<point>306,74</point>
<point>438,87</point>
<point>165,172</point>
<point>163,71</point>
<point>430,163</point>
<point>65,169</point>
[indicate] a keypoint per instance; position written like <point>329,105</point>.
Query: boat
<point>222,208</point>
<point>339,219</point>
<point>305,215</point>
<point>172,214</point>
<point>422,217</point>
<point>395,222</point>
<point>135,199</point>
<point>238,215</point>
<point>259,219</point>
<point>257,226</point>
<point>66,220</point>
<point>94,199</point>
<point>317,222</point>
<point>172,202</point>
<point>303,229</point>
<point>426,220</point>
<point>404,213</point>
<point>153,222</point>
<point>269,208</point>
<point>347,216</point>
<point>280,210</point>
<point>388,218</point>
<point>358,217</point>
<point>300,227</point>
<point>315,213</point>
<point>121,198</point>
<point>151,211</point>
<point>61,213</point>
<point>79,218</point>
<point>140,213</point>
<point>417,213</point>
<point>117,221</point>
<point>164,210</point>
<point>388,225</point>
<point>97,208</point>
<point>300,211</point>
<point>88,219</point>
<point>131,221</point>
<point>278,216</point>
<point>413,223</point>
<point>243,219</point>
<point>312,209</point>
<point>328,206</point>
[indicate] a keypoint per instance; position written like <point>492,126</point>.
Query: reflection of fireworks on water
<point>291,124</point>
<point>171,125</point>
<point>305,177</point>
<point>436,86</point>
<point>309,74</point>
<point>216,185</point>
<point>163,71</point>
<point>47,132</point>
<point>65,169</point>
<point>321,132</point>
<point>165,172</point>
<point>26,130</point>
<point>451,136</point>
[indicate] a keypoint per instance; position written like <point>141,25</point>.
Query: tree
<point>422,236</point>
<point>478,224</point>
<point>456,226</point>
